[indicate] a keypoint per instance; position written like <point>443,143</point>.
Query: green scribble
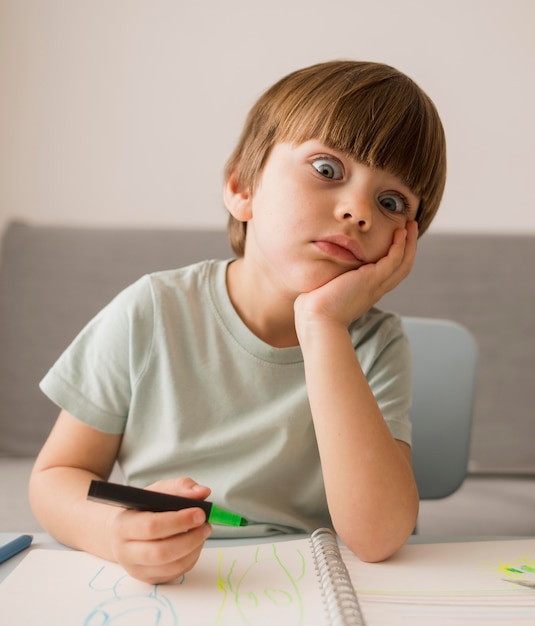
<point>247,602</point>
<point>222,587</point>
<point>521,565</point>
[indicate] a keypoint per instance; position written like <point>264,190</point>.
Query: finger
<point>148,526</point>
<point>183,486</point>
<point>412,229</point>
<point>165,560</point>
<point>397,264</point>
<point>172,549</point>
<point>411,243</point>
<point>167,573</point>
<point>389,265</point>
<point>409,253</point>
<point>403,250</point>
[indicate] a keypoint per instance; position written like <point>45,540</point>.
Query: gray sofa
<point>54,279</point>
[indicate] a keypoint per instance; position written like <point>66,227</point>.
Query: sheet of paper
<point>275,584</point>
<point>264,585</point>
<point>448,583</point>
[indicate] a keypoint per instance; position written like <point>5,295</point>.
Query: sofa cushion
<point>52,281</point>
<point>487,283</point>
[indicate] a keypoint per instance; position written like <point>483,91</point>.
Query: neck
<point>262,308</point>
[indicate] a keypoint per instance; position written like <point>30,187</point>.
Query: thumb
<point>183,486</point>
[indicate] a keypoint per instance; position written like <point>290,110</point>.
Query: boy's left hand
<point>350,295</point>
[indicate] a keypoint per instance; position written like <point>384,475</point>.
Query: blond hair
<point>370,111</point>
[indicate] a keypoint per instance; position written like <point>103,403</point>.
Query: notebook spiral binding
<point>339,596</point>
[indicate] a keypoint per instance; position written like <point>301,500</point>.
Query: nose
<point>357,211</point>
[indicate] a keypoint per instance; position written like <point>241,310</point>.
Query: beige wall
<point>123,111</point>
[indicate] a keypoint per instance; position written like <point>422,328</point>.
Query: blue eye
<point>393,202</point>
<point>329,168</point>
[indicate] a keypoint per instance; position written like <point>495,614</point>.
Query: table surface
<point>42,540</point>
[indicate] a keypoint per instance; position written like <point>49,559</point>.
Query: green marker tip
<point>225,518</point>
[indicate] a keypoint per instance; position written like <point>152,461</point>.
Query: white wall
<point>117,112</point>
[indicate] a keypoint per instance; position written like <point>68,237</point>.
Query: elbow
<point>372,552</point>
<point>373,545</point>
<point>376,532</point>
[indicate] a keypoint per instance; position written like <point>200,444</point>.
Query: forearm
<point>369,482</point>
<point>154,547</point>
<point>58,496</point>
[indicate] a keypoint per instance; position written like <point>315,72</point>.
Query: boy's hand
<point>350,295</point>
<point>160,547</point>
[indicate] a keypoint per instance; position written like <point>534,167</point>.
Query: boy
<point>269,378</point>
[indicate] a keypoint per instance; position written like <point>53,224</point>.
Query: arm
<point>154,547</point>
<point>370,486</point>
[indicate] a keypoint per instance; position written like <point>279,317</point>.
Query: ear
<point>238,201</point>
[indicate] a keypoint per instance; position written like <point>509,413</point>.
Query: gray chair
<point>445,356</point>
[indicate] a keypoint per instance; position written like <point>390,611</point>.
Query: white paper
<point>448,584</point>
<point>458,584</point>
<point>264,585</point>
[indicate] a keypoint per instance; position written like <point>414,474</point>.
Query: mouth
<point>340,248</point>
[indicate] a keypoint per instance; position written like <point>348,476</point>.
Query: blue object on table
<point>14,547</point>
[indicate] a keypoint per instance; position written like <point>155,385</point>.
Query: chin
<point>319,279</point>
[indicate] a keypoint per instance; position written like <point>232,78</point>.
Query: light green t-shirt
<point>171,365</point>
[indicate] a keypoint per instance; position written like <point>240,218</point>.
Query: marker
<point>14,547</point>
<point>522,583</point>
<point>145,500</point>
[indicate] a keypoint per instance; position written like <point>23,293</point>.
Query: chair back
<point>444,355</point>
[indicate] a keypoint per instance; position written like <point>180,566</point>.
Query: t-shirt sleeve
<point>385,357</point>
<point>93,379</point>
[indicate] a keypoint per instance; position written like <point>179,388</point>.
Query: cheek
<point>281,216</point>
<point>383,242</point>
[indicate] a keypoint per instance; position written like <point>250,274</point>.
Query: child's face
<point>317,213</point>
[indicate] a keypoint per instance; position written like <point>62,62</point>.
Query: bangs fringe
<point>385,125</point>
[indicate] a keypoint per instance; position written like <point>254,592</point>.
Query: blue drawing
<point>130,597</point>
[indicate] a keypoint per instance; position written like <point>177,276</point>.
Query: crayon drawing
<point>249,589</point>
<point>130,600</point>
<point>523,566</point>
<point>265,587</point>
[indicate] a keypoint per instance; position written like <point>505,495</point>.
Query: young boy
<point>270,378</point>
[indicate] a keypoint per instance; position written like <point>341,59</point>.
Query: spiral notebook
<point>300,582</point>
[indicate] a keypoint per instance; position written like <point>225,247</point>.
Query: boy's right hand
<point>160,547</point>
<point>346,297</point>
